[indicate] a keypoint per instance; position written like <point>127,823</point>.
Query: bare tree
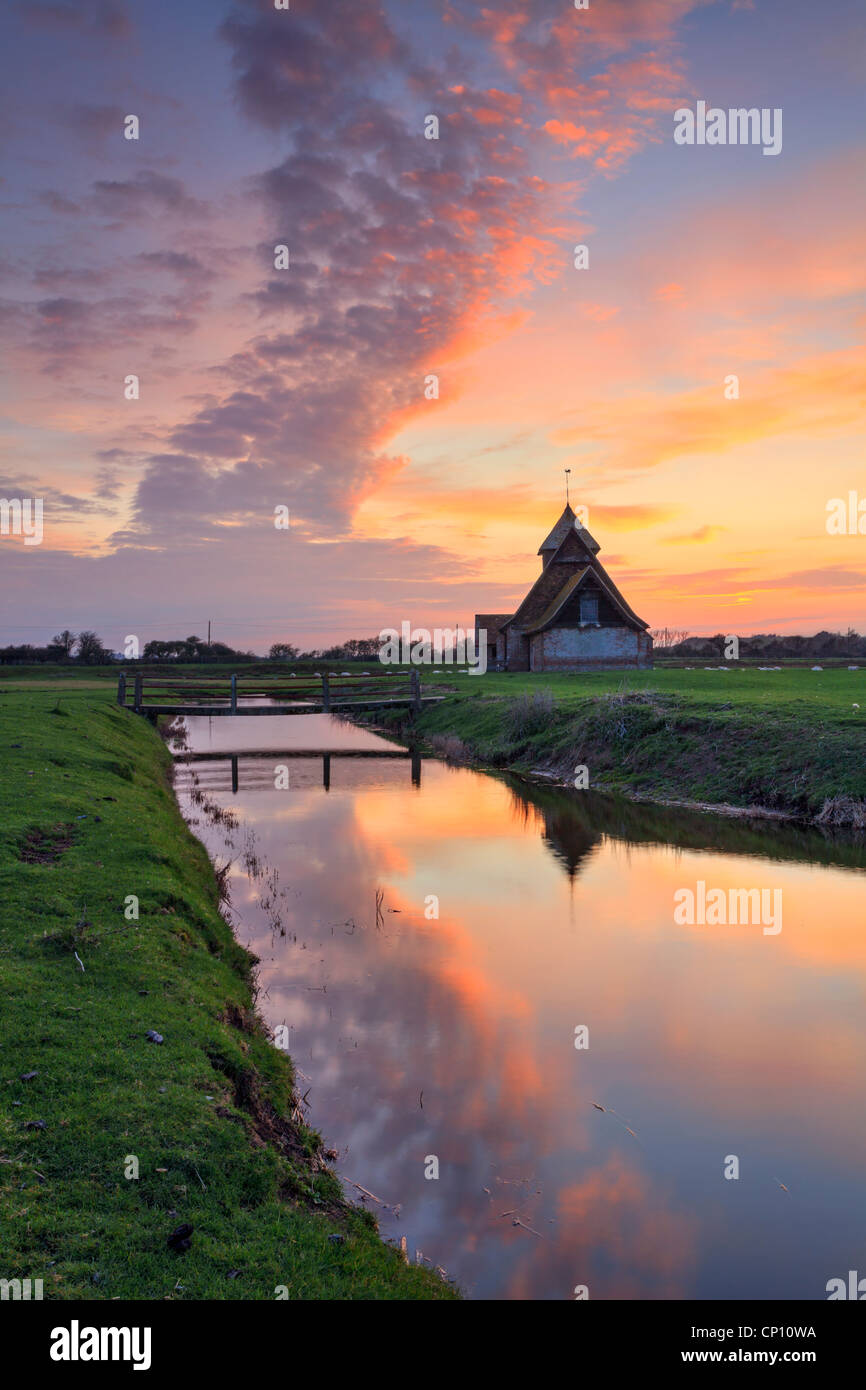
<point>666,637</point>
<point>90,649</point>
<point>65,640</point>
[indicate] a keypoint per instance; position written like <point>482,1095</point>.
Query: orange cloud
<point>703,533</point>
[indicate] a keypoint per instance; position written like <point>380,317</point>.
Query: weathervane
<point>566,471</point>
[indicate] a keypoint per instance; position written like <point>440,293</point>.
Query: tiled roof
<point>600,574</point>
<point>491,622</point>
<point>562,597</point>
<point>568,522</point>
<point>573,559</point>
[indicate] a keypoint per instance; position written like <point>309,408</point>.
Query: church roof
<point>570,552</point>
<point>573,561</point>
<point>568,522</point>
<point>614,593</point>
<point>491,622</point>
<point>600,574</point>
<point>559,600</point>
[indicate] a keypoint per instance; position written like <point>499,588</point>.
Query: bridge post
<point>137,697</point>
<point>416,691</point>
<point>121,689</point>
<point>234,694</point>
<point>326,693</point>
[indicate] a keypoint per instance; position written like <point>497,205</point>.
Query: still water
<point>451,1037</point>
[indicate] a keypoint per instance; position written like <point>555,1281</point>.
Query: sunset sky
<point>305,387</point>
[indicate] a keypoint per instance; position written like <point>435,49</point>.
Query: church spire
<point>559,532</point>
<point>567,522</point>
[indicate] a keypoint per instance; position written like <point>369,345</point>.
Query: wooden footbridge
<point>323,693</point>
<point>251,756</point>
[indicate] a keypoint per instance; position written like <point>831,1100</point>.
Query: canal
<point>529,1069</point>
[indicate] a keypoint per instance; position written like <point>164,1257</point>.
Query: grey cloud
<point>179,262</point>
<point>94,122</point>
<point>58,203</point>
<point>148,193</point>
<point>385,268</point>
<point>106,18</point>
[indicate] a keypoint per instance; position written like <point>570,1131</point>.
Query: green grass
<point>87,817</point>
<point>789,740</point>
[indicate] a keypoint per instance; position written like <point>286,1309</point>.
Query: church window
<point>588,608</point>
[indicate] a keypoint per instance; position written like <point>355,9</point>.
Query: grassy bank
<point>87,818</point>
<point>790,741</point>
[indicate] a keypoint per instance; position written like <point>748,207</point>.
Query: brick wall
<point>518,656</point>
<point>581,648</point>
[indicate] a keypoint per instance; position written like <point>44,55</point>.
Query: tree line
<point>84,647</point>
<point>770,644</point>
<point>88,649</point>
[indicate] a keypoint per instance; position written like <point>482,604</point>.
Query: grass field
<point>792,741</point>
<point>832,691</point>
<point>88,818</point>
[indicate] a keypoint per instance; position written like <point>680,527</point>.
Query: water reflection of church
<point>574,824</point>
<point>563,820</point>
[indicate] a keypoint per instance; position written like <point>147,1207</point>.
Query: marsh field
<point>459,960</point>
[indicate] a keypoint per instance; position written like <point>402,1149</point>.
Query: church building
<point>574,618</point>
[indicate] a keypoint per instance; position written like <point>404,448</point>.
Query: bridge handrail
<point>332,689</point>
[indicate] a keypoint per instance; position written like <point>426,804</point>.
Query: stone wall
<point>585,648</point>
<point>518,655</point>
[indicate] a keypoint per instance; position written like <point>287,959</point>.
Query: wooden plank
<point>212,756</point>
<point>255,710</point>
